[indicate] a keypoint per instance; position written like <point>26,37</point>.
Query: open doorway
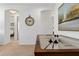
<point>12,29</point>
<point>12,24</point>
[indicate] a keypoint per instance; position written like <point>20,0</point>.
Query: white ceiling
<point>30,5</point>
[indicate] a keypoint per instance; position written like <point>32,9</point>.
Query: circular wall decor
<point>29,21</point>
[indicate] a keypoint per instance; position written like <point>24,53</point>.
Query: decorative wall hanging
<point>68,17</point>
<point>29,21</point>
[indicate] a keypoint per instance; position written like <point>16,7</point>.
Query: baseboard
<point>1,43</point>
<point>21,43</point>
<point>4,43</point>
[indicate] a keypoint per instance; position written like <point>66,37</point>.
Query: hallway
<point>13,49</point>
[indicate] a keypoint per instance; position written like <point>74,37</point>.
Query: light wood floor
<point>14,49</point>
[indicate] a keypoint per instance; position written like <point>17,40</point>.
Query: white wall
<point>2,33</point>
<point>46,22</point>
<point>7,26</point>
<point>42,25</point>
<point>28,34</point>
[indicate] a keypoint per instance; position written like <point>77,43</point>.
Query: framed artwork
<point>68,17</point>
<point>29,21</point>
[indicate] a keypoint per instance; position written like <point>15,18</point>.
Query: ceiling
<point>30,5</point>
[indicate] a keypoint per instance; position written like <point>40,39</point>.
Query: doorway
<point>12,24</point>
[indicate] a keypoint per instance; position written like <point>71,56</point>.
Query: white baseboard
<point>21,43</point>
<point>4,43</point>
<point>1,43</point>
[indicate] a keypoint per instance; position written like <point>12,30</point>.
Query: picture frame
<point>68,17</point>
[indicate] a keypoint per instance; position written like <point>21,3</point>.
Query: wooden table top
<point>38,48</point>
